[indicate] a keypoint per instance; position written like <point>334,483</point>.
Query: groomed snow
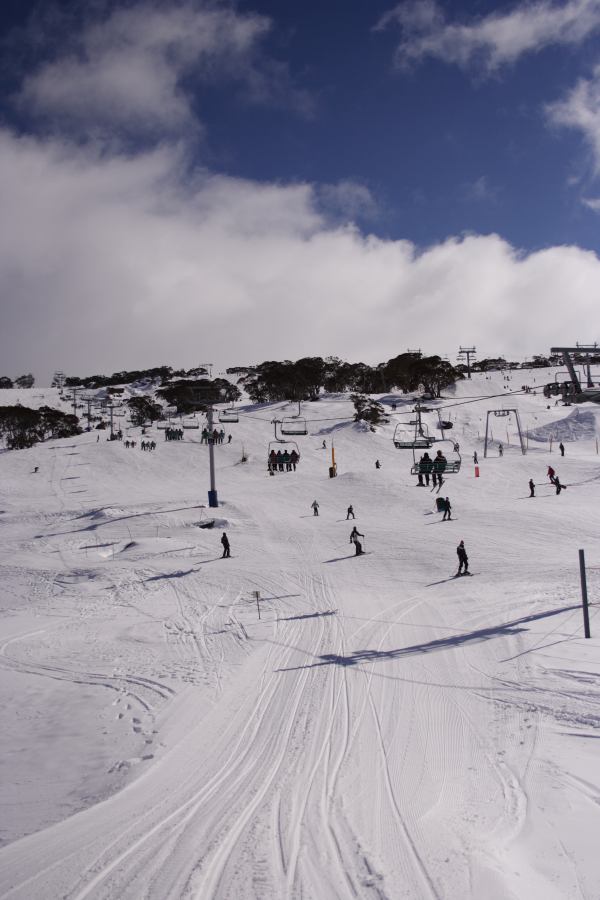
<point>383,731</point>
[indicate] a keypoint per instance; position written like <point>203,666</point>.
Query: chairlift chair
<point>291,425</point>
<point>284,446</point>
<point>452,466</point>
<point>191,424</point>
<point>410,439</point>
<point>229,415</point>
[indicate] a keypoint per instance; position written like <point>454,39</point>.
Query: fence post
<point>584,596</point>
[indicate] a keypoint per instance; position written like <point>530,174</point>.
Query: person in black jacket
<point>447,510</point>
<point>531,488</point>
<point>226,549</point>
<point>463,559</point>
<point>354,539</point>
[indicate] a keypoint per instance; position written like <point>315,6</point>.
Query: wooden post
<point>584,596</point>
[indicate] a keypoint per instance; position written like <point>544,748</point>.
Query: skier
<point>324,447</point>
<point>350,512</point>
<point>475,459</point>
<point>551,474</point>
<point>36,469</point>
<point>354,539</point>
<point>463,559</point>
<point>226,549</point>
<point>315,508</point>
<point>439,465</point>
<point>425,467</point>
<point>500,450</point>
<point>229,436</point>
<point>531,488</point>
<point>558,485</point>
<point>377,464</point>
<point>447,510</point>
<point>561,447</point>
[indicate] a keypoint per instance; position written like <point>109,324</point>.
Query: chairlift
<point>229,415</point>
<point>406,438</point>
<point>451,467</point>
<point>191,424</point>
<point>284,446</point>
<point>162,426</point>
<point>280,444</point>
<point>293,425</point>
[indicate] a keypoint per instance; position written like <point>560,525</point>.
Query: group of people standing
<point>173,434</point>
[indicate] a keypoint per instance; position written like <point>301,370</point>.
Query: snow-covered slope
<point>383,730</point>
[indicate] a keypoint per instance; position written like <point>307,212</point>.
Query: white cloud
<point>494,40</point>
<point>128,72</point>
<point>347,200</point>
<point>592,203</point>
<point>580,110</point>
<point>122,261</point>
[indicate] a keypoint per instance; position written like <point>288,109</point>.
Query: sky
<point>191,181</point>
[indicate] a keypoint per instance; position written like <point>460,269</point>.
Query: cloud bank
<point>119,253</point>
<point>119,261</point>
<point>491,41</point>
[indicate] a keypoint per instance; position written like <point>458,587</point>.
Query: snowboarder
<point>500,450</point>
<point>324,447</point>
<point>463,559</point>
<point>354,539</point>
<point>315,508</point>
<point>229,436</point>
<point>447,510</point>
<point>475,459</point>
<point>36,469</point>
<point>551,474</point>
<point>377,464</point>
<point>531,488</point>
<point>561,447</point>
<point>226,549</point>
<point>350,512</point>
<point>558,485</point>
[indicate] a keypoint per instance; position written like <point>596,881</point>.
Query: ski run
<point>384,730</point>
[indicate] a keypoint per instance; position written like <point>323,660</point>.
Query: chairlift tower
<point>503,413</point>
<point>467,352</point>
<point>198,392</point>
<point>89,401</point>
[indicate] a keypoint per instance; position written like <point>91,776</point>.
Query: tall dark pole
<point>213,500</point>
<point>584,596</point>
<point>468,352</point>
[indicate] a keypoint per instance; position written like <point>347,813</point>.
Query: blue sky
<point>268,179</point>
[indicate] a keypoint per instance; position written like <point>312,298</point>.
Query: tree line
<point>23,381</point>
<point>22,427</point>
<point>304,379</point>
